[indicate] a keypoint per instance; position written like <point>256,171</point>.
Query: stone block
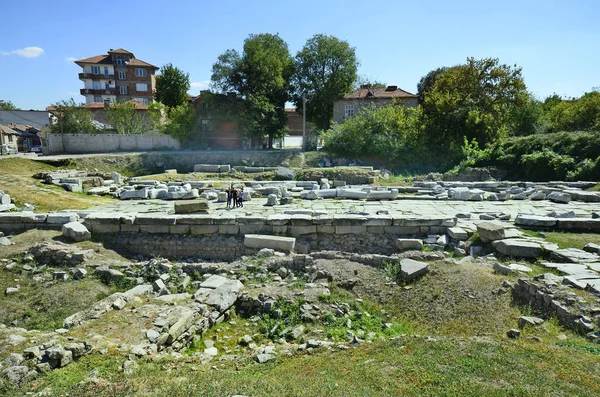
<point>251,219</point>
<point>372,229</point>
<point>300,230</point>
<point>278,219</point>
<point>353,194</point>
<point>105,228</point>
<point>76,231</point>
<point>179,229</point>
<point>259,241</point>
<point>204,229</point>
<point>411,269</point>
<point>559,197</point>
<point>130,228</point>
<point>383,194</point>
<point>349,220</point>
<point>154,219</point>
<point>60,218</point>
<point>191,206</point>
<point>224,168</point>
<point>301,220</point>
<point>404,244</point>
<point>140,194</point>
<point>326,229</point>
<point>534,221</point>
<point>579,224</point>
<point>490,231</point>
<point>404,230</point>
<point>155,229</point>
<point>196,219</point>
<point>253,229</point>
<point>229,229</point>
<point>378,220</point>
<point>350,229</point>
<point>413,221</point>
<point>279,229</point>
<point>519,248</point>
<point>458,234</point>
<point>225,219</point>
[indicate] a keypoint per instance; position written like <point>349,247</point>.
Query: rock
<point>76,231</point>
<point>77,349</point>
<point>593,248</point>
<point>487,217</point>
<point>573,255</point>
<point>278,243</point>
<point>457,233</point>
<point>263,358</point>
<point>4,241</point>
<point>297,332</point>
<point>566,214</point>
<point>191,206</point>
<point>500,268</point>
<point>158,285</point>
<point>411,269</point>
<point>271,200</point>
<point>404,244</point>
<point>513,333</point>
<point>490,231</point>
<point>214,282</point>
<point>525,321</point>
<point>79,273</point>
<point>14,359</point>
<point>559,197</point>
<point>225,295</point>
<point>11,290</point>
<point>534,221</point>
<point>119,304</point>
<point>246,340</point>
<point>520,268</point>
<point>129,367</point>
<point>537,196</point>
<point>285,174</point>
<point>59,357</point>
<point>519,248</point>
<point>211,351</point>
<point>16,375</point>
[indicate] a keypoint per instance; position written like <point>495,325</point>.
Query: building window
<point>205,125</point>
<point>122,76</point>
<point>95,69</point>
<point>97,99</point>
<point>10,138</point>
<point>105,72</point>
<point>141,87</point>
<point>120,60</point>
<point>96,85</point>
<point>348,111</point>
<point>141,100</point>
<point>140,72</point>
<point>123,90</point>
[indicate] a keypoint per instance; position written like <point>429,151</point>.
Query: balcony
<point>92,76</point>
<point>104,91</point>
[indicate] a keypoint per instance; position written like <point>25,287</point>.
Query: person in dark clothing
<point>241,198</point>
<point>234,195</point>
<point>229,197</point>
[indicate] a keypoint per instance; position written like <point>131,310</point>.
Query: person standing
<point>241,197</point>
<point>234,196</point>
<point>229,197</point>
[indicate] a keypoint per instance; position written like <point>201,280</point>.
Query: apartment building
<point>117,75</point>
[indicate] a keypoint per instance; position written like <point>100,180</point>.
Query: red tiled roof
<point>96,59</point>
<point>139,62</point>
<point>121,51</point>
<point>100,105</point>
<point>379,93</point>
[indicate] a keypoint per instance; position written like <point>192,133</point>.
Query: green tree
<point>475,100</point>
<point>427,82</point>
<point>7,105</point>
<point>172,85</point>
<point>181,122</point>
<point>126,119</point>
<point>582,114</point>
<point>363,80</point>
<point>325,70</point>
<point>71,118</point>
<point>261,77</point>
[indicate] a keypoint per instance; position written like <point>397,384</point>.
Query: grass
<point>16,180</point>
<point>572,240</point>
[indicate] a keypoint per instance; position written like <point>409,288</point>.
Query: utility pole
<point>303,123</point>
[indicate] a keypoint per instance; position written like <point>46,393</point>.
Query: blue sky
<point>557,43</point>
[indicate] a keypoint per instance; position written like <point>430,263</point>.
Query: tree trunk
<point>271,140</point>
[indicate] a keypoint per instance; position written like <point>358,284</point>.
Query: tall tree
<point>172,85</point>
<point>427,82</point>
<point>72,119</point>
<point>261,77</point>
<point>7,105</point>
<point>126,119</point>
<point>475,100</point>
<point>325,70</point>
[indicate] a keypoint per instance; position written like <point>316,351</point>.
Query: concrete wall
<point>106,143</point>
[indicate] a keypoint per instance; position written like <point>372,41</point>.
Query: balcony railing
<point>94,76</point>
<point>104,91</point>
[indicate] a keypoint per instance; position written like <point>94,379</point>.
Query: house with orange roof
<point>366,96</point>
<point>117,75</point>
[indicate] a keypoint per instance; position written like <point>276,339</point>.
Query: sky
<point>557,43</point>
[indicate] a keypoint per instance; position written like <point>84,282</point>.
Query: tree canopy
<point>476,100</point>
<point>7,105</point>
<point>325,70</point>
<point>71,118</point>
<point>261,76</point>
<point>126,119</point>
<point>172,85</point>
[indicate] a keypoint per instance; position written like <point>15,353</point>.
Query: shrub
<point>547,165</point>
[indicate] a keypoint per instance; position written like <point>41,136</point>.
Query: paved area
<point>417,207</point>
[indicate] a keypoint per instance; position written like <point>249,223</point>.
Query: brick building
<point>117,75</point>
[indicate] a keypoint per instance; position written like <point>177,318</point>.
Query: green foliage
<point>476,100</point>
<point>582,114</point>
<point>391,131</point>
<point>427,82</point>
<point>363,80</point>
<point>7,105</point>
<point>547,165</point>
<point>261,76</point>
<point>172,85</point>
<point>72,119</point>
<point>181,122</point>
<point>325,70</point>
<point>126,119</point>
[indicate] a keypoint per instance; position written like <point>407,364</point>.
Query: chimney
<point>392,88</point>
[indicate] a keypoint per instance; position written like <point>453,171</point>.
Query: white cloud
<point>199,85</point>
<point>27,52</point>
<point>70,59</point>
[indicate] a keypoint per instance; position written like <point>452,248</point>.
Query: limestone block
<point>325,229</point>
<point>378,220</point>
<point>179,229</point>
<point>196,219</point>
<point>534,221</point>
<point>350,230</point>
<point>222,197</point>
<point>76,231</point>
<point>266,241</point>
<point>229,229</point>
<point>271,200</point>
<point>457,233</point>
<point>300,230</point>
<point>404,244</point>
<point>328,193</point>
<point>61,218</point>
<point>155,229</point>
<point>102,228</point>
<point>279,229</point>
<point>191,206</point>
<point>411,269</point>
<point>154,219</point>
<point>579,224</point>
<point>352,194</point>
<point>255,228</point>
<point>224,168</point>
<point>559,197</point>
<point>383,195</point>
<point>140,194</point>
<point>375,229</point>
<point>349,220</point>
<point>251,219</point>
<point>490,231</point>
<point>130,228</point>
<point>204,229</point>
<point>404,230</point>
<point>278,219</point>
<point>301,220</point>
<point>421,221</point>
<point>519,248</point>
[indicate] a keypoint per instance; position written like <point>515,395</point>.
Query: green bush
<point>547,165</point>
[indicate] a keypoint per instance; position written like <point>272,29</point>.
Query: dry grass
<point>16,180</point>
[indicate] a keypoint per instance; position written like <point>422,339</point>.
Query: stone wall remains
<point>104,143</point>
